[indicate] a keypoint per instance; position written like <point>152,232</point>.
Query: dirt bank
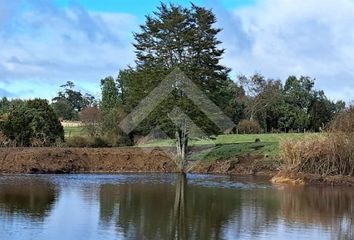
<point>116,160</point>
<point>81,160</point>
<point>296,178</point>
<point>241,165</point>
<point>75,160</point>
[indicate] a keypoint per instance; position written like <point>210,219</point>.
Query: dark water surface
<point>160,206</point>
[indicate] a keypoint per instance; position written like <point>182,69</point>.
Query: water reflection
<point>26,197</point>
<point>170,207</point>
<point>178,211</point>
<point>332,208</point>
<point>178,223</point>
<point>140,211</point>
<point>189,211</point>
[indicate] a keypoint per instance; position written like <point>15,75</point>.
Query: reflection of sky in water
<point>128,205</point>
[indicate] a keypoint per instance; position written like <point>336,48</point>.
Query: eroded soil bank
<point>80,160</point>
<point>118,160</point>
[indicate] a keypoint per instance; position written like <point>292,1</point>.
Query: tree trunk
<point>182,145</point>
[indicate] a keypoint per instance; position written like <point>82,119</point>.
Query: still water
<point>160,206</point>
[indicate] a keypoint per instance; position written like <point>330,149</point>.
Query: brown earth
<point>85,160</point>
<point>77,160</point>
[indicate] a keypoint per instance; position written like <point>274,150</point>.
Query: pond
<point>170,206</point>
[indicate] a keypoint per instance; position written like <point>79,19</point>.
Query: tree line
<point>186,38</point>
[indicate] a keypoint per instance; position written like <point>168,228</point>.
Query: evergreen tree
<point>110,96</point>
<point>175,36</point>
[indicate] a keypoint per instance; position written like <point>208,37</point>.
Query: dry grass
<point>344,122</point>
<point>330,154</point>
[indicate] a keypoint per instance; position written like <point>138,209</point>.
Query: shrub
<point>32,123</point>
<point>331,154</point>
<point>249,127</point>
<point>344,122</point>
<point>110,130</point>
<point>99,143</point>
<point>81,142</point>
<point>3,140</point>
<point>90,116</point>
<point>77,141</point>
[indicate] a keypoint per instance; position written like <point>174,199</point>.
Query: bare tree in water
<point>182,135</point>
<point>185,129</point>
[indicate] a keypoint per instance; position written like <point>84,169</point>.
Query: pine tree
<point>175,36</point>
<point>184,38</point>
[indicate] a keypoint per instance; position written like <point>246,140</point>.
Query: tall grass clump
<point>329,154</point>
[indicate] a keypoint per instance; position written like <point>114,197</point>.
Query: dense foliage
<point>295,106</point>
<point>30,123</point>
<point>69,102</point>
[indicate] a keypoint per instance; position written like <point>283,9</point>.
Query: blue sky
<point>44,43</point>
<point>139,7</point>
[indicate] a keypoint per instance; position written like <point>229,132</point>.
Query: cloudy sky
<point>44,43</point>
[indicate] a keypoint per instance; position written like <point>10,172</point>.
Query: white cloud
<point>43,44</point>
<point>297,37</point>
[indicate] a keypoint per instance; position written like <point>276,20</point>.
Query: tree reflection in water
<point>186,210</point>
<point>164,211</point>
<point>332,208</point>
<point>173,207</point>
<point>30,198</point>
<point>179,212</point>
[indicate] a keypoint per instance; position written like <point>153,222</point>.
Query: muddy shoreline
<point>124,160</point>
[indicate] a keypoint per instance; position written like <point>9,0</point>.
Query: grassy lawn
<point>220,140</point>
<point>222,146</point>
<point>220,152</point>
<point>233,145</point>
<point>266,138</point>
<point>233,139</point>
<point>73,131</point>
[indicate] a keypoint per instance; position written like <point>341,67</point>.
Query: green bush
<point>32,123</point>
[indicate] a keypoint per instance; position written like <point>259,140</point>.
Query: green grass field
<point>223,146</point>
<point>233,145</point>
<point>233,139</point>
<point>227,151</point>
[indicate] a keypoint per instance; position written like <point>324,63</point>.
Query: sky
<point>44,43</point>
